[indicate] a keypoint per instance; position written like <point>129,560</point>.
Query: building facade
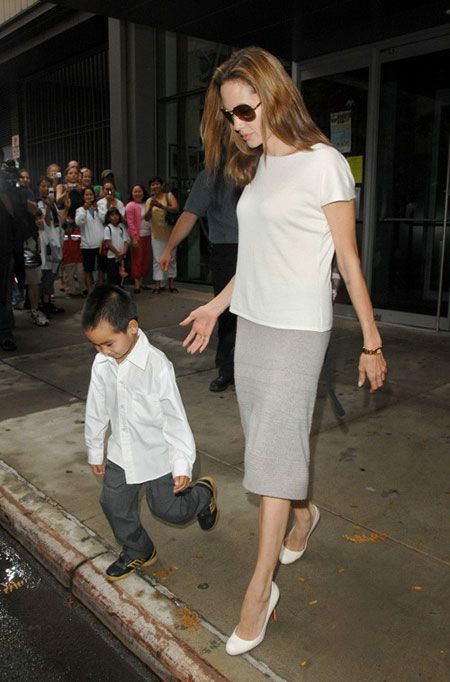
<point>123,91</point>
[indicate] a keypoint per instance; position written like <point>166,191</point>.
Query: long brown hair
<point>283,113</point>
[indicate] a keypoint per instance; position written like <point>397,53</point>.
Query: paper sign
<point>356,167</point>
<point>341,130</point>
<point>15,147</point>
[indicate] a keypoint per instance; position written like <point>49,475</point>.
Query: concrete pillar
<point>132,80</point>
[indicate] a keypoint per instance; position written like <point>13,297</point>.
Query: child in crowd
<point>51,241</point>
<point>116,240</point>
<point>72,260</point>
<point>133,389</point>
<point>91,229</point>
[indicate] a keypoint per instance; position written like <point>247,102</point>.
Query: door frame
<point>373,56</point>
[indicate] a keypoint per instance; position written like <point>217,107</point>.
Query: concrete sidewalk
<point>369,600</point>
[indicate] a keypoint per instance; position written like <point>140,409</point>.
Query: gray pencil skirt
<point>276,375</point>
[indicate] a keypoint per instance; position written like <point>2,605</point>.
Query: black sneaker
<point>121,568</point>
<point>207,518</point>
<point>221,383</point>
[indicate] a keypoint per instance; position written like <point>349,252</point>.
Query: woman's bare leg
<point>304,517</point>
<point>273,517</point>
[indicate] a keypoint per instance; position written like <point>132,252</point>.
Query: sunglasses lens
<point>245,112</point>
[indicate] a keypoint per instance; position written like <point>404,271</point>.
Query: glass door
<point>410,271</point>
<point>338,105</point>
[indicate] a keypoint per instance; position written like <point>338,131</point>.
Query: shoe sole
<point>210,483</point>
<point>153,559</point>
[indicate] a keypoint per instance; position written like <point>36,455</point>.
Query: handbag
<point>170,218</point>
<point>31,258</point>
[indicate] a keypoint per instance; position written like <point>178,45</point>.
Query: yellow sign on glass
<point>356,167</point>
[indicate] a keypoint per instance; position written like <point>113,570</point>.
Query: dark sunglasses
<point>244,112</point>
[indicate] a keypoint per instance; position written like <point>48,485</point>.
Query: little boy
<point>133,389</point>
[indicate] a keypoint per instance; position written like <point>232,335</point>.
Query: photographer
<point>54,174</point>
<point>106,176</point>
<point>51,239</point>
<point>109,200</point>
<point>7,341</point>
<point>18,217</point>
<point>71,188</point>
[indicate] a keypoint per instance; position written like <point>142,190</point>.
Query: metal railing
<point>67,115</point>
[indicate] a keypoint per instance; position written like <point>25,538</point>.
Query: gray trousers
<point>120,503</point>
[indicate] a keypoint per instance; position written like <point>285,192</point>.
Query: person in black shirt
<point>215,199</point>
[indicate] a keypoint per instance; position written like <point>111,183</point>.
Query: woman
<point>51,242</point>
<point>54,174</point>
<point>85,177</point>
<point>157,207</point>
<point>72,188</point>
<point>69,193</point>
<point>25,184</point>
<point>109,200</point>
<point>91,230</point>
<point>296,209</point>
<point>140,234</point>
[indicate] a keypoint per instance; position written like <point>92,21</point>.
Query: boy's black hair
<point>109,303</point>
<point>109,213</point>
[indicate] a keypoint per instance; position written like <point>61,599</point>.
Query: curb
<point>167,636</point>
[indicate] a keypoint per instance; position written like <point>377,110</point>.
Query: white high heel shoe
<point>235,645</point>
<point>288,556</point>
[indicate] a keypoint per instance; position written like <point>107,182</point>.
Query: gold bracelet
<point>374,351</point>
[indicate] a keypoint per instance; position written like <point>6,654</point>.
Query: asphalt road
<point>45,634</point>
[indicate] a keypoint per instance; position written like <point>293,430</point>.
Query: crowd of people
<point>83,234</point>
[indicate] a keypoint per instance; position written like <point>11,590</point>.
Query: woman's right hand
<point>203,322</point>
<point>135,241</point>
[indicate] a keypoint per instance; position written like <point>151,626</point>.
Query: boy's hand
<point>98,469</point>
<point>180,483</point>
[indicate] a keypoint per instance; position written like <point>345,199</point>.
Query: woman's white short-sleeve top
<point>283,276</point>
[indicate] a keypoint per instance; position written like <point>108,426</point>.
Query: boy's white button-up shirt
<point>150,433</point>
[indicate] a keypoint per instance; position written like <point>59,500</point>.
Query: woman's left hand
<point>374,369</point>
